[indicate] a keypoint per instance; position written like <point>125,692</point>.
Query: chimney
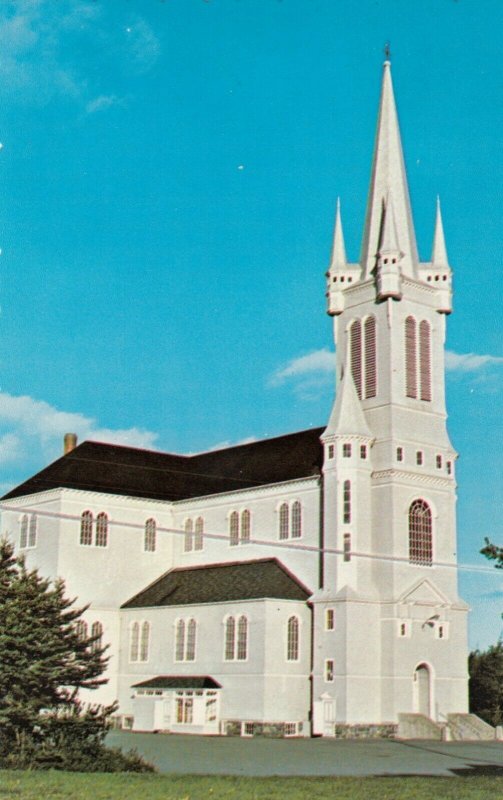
<point>69,443</point>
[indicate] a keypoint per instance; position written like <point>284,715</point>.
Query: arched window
<point>150,536</point>
<point>234,528</point>
<point>32,535</point>
<point>97,636</point>
<point>190,652</point>
<point>81,630</point>
<point>198,538</point>
<point>370,357</point>
<point>355,337</point>
<point>410,357</point>
<point>296,520</point>
<point>144,641</point>
<point>134,642</point>
<point>245,526</point>
<point>230,638</point>
<point>180,640</point>
<point>101,530</point>
<point>284,528</point>
<point>425,360</point>
<point>86,528</point>
<point>346,502</point>
<point>23,535</point>
<point>292,645</point>
<point>188,542</point>
<point>242,643</point>
<point>420,534</point>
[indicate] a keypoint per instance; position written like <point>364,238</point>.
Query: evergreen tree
<point>486,683</point>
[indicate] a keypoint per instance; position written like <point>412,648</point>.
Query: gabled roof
<point>179,682</point>
<point>97,467</point>
<point>219,583</point>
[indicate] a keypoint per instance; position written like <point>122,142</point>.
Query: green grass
<point>123,786</point>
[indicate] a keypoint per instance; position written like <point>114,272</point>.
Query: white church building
<point>300,585</point>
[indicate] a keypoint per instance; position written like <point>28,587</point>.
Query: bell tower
<point>390,563</point>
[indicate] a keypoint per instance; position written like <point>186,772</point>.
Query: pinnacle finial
<point>338,260</point>
<point>439,252</point>
<point>387,53</point>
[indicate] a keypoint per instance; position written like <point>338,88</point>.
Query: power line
<point>262,543</point>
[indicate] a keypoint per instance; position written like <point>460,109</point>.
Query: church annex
<point>300,585</point>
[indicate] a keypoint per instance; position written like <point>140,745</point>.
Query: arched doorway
<point>422,690</point>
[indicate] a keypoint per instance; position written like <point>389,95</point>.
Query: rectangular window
<point>329,670</point>
<point>399,453</point>
<point>363,451</point>
<point>449,467</point>
<point>404,629</point>
<point>347,547</point>
<point>330,619</point>
<point>346,450</point>
<point>346,503</point>
<point>331,450</point>
<point>439,462</point>
<point>419,458</point>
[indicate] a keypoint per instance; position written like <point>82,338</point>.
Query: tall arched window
<point>81,630</point>
<point>425,360</point>
<point>284,528</point>
<point>242,643</point>
<point>23,534</point>
<point>188,541</point>
<point>134,642</point>
<point>420,533</point>
<point>296,520</point>
<point>150,536</point>
<point>198,537</point>
<point>355,336</point>
<point>97,636</point>
<point>101,529</point>
<point>245,526</point>
<point>410,357</point>
<point>346,502</point>
<point>180,640</point>
<point>144,641</point>
<point>190,651</point>
<point>370,357</point>
<point>86,528</point>
<point>32,535</point>
<point>292,645</point>
<point>234,528</point>
<point>230,638</point>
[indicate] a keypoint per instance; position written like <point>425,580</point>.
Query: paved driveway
<point>204,755</point>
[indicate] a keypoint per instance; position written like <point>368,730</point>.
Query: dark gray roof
<point>128,471</point>
<point>179,682</point>
<point>218,583</point>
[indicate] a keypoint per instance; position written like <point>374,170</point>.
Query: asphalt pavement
<point>206,755</point>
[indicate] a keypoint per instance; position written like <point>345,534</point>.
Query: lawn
<point>77,786</point>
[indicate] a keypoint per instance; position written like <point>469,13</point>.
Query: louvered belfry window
<point>370,357</point>
<point>355,333</point>
<point>420,534</point>
<point>410,357</point>
<point>425,360</point>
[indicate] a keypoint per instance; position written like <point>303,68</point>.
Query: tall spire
<point>347,417</point>
<point>388,174</point>
<point>338,260</point>
<point>439,251</point>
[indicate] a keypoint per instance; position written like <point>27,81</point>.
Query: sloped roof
<point>179,682</point>
<point>115,469</point>
<point>218,583</point>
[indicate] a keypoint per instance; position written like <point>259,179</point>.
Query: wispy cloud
<point>65,49</point>
<point>31,433</point>
<point>469,362</point>
<point>102,103</point>
<point>318,362</point>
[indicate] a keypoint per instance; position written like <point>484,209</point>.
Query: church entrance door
<point>422,690</point>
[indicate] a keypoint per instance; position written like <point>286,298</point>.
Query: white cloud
<point>142,44</point>
<point>317,363</point>
<point>468,362</point>
<point>102,102</point>
<point>31,432</point>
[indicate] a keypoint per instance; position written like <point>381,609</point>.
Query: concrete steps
<point>457,727</point>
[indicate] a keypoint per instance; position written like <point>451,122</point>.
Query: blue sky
<point>169,172</point>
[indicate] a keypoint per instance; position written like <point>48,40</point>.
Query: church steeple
<point>388,175</point>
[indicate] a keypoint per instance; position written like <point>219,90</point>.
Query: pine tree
<point>43,659</point>
<point>486,683</point>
